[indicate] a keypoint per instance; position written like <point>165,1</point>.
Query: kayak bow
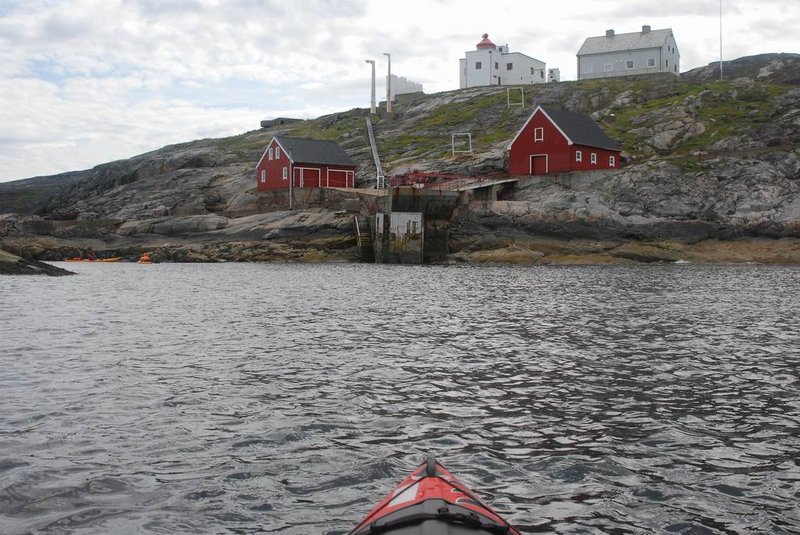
<point>432,501</point>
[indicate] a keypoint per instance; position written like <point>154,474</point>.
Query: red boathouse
<point>311,164</point>
<point>560,141</point>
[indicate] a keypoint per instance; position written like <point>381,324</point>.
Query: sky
<point>84,82</point>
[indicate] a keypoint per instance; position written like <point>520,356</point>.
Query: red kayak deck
<point>432,501</point>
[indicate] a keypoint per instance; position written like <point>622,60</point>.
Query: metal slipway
<point>380,179</point>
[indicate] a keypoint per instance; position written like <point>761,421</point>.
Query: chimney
<point>609,33</point>
<point>645,29</point>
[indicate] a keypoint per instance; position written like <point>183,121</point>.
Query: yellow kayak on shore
<point>79,259</point>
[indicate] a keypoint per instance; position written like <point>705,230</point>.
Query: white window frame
<point>587,68</point>
<point>578,156</point>
<point>270,153</point>
<point>651,62</point>
<point>263,175</point>
<point>277,153</point>
<point>594,158</point>
<point>538,134</point>
<point>286,173</point>
<point>612,161</point>
<point>608,67</point>
<point>630,64</point>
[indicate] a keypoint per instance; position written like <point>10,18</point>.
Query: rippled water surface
<point>233,398</point>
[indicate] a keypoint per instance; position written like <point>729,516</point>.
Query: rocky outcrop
<point>14,265</point>
<point>705,161</point>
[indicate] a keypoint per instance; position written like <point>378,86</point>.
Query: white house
<point>624,54</point>
<point>403,86</point>
<point>490,64</point>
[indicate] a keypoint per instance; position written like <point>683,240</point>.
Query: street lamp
<point>372,109</point>
<point>389,84</point>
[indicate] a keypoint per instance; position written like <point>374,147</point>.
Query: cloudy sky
<point>84,82</point>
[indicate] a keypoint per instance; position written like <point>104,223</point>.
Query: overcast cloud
<point>84,82</point>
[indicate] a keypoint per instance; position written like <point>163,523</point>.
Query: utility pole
<point>720,40</point>
<point>372,109</point>
<point>291,182</point>
<point>389,84</point>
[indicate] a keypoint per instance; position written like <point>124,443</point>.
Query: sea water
<point>240,398</point>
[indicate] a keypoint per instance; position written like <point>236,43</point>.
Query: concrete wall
<point>399,238</point>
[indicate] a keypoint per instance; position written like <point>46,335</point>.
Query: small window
<point>608,67</point>
<point>509,66</point>
<point>594,158</point>
<point>533,71</point>
<point>612,162</point>
<point>270,153</point>
<point>629,64</point>
<point>587,68</point>
<point>538,134</point>
<point>651,62</point>
<point>496,65</point>
<point>285,173</point>
<point>277,153</point>
<point>578,156</point>
<point>477,65</point>
<point>263,176</point>
<point>667,63</point>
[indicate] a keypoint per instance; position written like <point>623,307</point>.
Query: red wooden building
<point>559,141</point>
<point>310,163</point>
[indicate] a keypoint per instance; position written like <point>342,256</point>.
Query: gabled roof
<point>314,151</point>
<point>625,41</point>
<point>577,128</point>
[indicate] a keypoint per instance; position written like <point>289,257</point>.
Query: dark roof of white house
<point>617,42</point>
<point>314,151</point>
<point>581,129</point>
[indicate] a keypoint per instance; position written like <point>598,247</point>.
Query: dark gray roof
<point>625,41</point>
<point>581,129</point>
<point>314,151</point>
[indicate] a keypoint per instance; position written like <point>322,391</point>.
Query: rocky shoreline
<point>712,174</point>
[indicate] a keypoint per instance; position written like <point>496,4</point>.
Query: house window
<point>612,162</point>
<point>608,67</point>
<point>270,153</point>
<point>651,62</point>
<point>263,175</point>
<point>538,134</point>
<point>277,153</point>
<point>578,156</point>
<point>509,66</point>
<point>477,65</point>
<point>285,173</point>
<point>629,64</point>
<point>587,68</point>
<point>667,63</point>
<point>594,158</point>
<point>533,71</point>
<point>496,65</point>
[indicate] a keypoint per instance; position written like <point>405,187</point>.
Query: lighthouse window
<point>509,66</point>
<point>477,65</point>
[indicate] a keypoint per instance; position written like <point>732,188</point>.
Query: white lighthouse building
<point>490,64</point>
